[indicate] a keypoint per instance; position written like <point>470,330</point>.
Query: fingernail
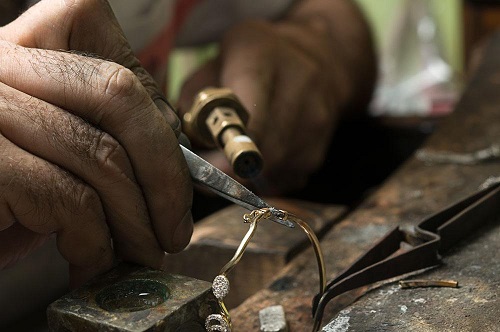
<point>183,232</point>
<point>170,115</point>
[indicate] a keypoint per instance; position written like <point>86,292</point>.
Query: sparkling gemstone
<point>216,323</point>
<point>220,287</point>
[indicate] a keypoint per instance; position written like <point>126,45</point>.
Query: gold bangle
<point>220,286</point>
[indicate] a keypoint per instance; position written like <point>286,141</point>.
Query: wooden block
<point>216,238</point>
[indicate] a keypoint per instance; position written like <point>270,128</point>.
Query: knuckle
<point>119,81</point>
<point>108,154</point>
<point>85,199</point>
<point>69,134</point>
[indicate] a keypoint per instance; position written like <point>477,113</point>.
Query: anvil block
<point>133,298</point>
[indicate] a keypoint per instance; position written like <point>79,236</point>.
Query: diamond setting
<point>220,287</point>
<point>215,322</point>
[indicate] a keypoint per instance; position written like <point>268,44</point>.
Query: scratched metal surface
<point>415,191</point>
<point>473,306</point>
<point>134,299</point>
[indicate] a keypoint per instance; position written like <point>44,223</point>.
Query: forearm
<point>350,39</point>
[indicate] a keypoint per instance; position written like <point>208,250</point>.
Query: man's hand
<point>85,150</point>
<point>295,77</point>
<point>281,74</point>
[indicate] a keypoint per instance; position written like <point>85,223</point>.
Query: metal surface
<point>218,119</point>
<point>272,319</point>
<point>488,154</point>
<point>204,173</point>
<point>195,121</point>
<point>419,283</point>
<point>433,236</point>
<point>134,299</point>
<point>473,306</point>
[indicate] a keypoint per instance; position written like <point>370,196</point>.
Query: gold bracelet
<point>221,322</point>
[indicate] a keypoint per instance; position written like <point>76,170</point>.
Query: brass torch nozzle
<point>217,118</point>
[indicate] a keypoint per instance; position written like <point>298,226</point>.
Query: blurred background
<point>430,31</point>
<point>424,49</point>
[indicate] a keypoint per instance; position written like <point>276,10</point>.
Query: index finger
<point>90,27</point>
<point>112,98</point>
<point>87,26</point>
<point>108,95</point>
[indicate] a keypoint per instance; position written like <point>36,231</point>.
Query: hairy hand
<point>284,74</point>
<point>85,150</point>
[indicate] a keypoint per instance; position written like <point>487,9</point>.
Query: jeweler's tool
<point>424,244</point>
<point>217,118</point>
<point>223,185</point>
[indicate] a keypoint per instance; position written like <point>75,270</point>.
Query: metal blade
<point>223,185</point>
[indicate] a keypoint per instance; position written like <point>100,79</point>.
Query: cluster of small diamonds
<point>216,323</point>
<point>220,287</point>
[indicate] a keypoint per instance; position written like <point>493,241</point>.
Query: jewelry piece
<point>220,287</point>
